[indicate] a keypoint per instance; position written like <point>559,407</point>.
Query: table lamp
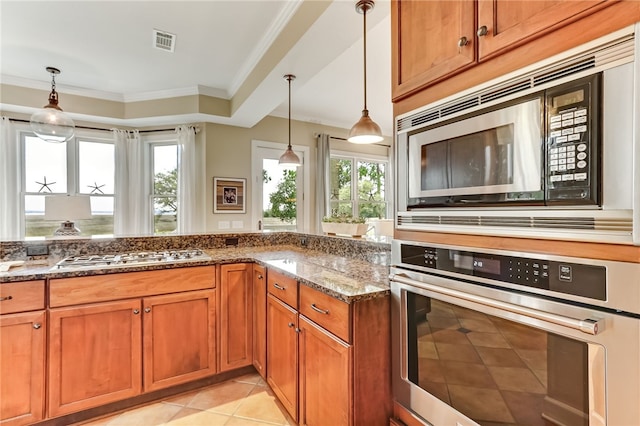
<point>67,208</point>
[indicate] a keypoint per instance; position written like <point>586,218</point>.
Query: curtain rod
<point>195,129</point>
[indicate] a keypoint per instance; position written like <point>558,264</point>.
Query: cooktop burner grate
<point>131,259</point>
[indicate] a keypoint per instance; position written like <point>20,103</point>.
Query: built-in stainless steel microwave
<point>540,149</point>
<point>552,145</point>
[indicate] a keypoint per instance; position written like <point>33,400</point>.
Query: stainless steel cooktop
<point>130,259</point>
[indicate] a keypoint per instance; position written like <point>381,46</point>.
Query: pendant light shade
<point>289,159</point>
<point>51,123</point>
<point>365,130</point>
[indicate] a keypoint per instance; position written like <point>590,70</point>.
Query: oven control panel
<point>570,278</point>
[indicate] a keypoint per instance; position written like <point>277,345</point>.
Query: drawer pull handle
<point>37,325</point>
<point>321,311</point>
<point>279,287</point>
<point>2,299</point>
<point>147,310</point>
<point>259,276</point>
<point>296,329</point>
<point>136,311</point>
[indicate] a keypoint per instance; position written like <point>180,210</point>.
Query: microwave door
<point>480,158</point>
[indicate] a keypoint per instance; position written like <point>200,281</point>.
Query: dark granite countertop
<point>344,278</point>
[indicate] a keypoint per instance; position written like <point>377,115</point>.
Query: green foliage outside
<point>371,203</point>
<point>282,202</point>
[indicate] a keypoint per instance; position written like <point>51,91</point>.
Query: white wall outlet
<point>237,224</point>
<point>223,224</point>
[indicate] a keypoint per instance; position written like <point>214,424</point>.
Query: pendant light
<point>289,159</point>
<point>365,130</point>
<point>51,123</point>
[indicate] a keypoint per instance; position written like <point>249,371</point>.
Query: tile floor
<point>246,400</point>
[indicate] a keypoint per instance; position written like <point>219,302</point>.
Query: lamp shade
<point>67,207</point>
<point>52,125</point>
<point>365,130</point>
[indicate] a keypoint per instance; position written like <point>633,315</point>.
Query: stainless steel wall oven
<point>483,336</point>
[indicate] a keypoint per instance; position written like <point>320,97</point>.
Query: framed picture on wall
<point>229,195</point>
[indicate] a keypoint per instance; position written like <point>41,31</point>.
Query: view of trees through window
<point>165,188</point>
<point>358,192</point>
<point>279,206</point>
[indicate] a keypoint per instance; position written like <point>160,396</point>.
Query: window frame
<point>73,170</point>
<point>356,157</point>
<point>150,142</point>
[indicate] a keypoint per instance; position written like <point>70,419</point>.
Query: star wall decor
<point>96,188</point>
<point>45,184</point>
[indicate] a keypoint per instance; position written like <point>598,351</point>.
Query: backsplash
<point>370,250</point>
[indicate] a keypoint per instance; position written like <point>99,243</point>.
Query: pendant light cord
<point>364,37</point>
<point>289,79</point>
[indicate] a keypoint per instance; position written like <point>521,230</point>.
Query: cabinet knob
<point>136,311</point>
<point>37,325</point>
<point>482,31</point>
<point>463,41</point>
<point>259,276</point>
<point>2,299</point>
<point>147,310</point>
<point>291,324</point>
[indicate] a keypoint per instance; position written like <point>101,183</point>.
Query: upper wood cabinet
<point>430,40</point>
<point>235,316</point>
<point>433,40</point>
<point>22,367</point>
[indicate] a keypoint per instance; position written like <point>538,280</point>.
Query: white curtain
<point>190,219</point>
<point>10,210</point>
<point>323,179</point>
<point>132,210</point>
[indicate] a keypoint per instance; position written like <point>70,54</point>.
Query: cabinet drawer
<point>21,296</point>
<point>283,287</point>
<point>102,288</point>
<point>328,312</point>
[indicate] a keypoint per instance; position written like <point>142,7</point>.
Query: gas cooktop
<point>130,259</point>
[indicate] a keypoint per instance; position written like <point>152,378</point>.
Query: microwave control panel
<point>572,135</point>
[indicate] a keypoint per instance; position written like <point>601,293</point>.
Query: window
<point>164,196</point>
<point>358,186</point>
<point>79,166</point>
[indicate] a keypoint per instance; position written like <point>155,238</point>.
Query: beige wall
<point>228,154</point>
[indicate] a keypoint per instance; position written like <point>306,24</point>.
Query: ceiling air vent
<point>164,41</point>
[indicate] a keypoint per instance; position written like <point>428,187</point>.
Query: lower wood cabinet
<point>179,338</point>
<point>235,316</point>
<point>22,368</point>
<point>260,319</point>
<point>324,376</point>
<point>94,355</point>
<point>105,352</point>
<point>282,353</point>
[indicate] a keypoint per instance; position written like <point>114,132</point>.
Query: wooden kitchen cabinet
<point>434,40</point>
<point>112,350</point>
<point>328,361</point>
<point>260,319</point>
<point>178,338</point>
<point>22,367</point>
<point>282,353</point>
<point>325,377</point>
<point>95,355</point>
<point>235,316</point>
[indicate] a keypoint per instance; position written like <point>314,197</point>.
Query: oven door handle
<point>588,326</point>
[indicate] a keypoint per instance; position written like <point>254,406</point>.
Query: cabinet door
<point>282,353</point>
<point>510,23</point>
<point>179,338</point>
<point>94,355</point>
<point>260,319</point>
<point>235,316</point>
<point>425,38</point>
<point>22,343</point>
<point>325,377</point>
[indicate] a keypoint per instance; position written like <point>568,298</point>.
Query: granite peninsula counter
<point>343,277</point>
